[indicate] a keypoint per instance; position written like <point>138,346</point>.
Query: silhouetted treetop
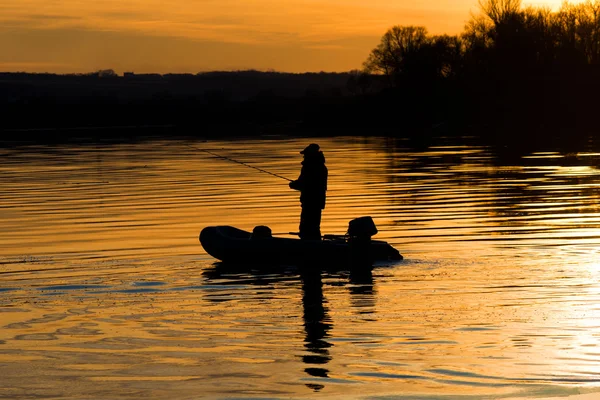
<point>504,40</point>
<point>410,51</point>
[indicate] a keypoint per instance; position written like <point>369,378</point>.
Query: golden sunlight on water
<point>105,291</point>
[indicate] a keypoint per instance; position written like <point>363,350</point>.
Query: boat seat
<point>261,232</point>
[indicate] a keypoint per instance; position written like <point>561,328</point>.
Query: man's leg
<point>310,223</point>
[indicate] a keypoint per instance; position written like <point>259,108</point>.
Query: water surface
<point>105,291</point>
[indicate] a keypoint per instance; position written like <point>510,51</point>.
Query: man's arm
<point>295,185</point>
<point>298,184</point>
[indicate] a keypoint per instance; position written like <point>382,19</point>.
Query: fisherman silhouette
<point>312,184</point>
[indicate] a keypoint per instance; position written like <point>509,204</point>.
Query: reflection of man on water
<point>312,184</point>
<point>316,325</point>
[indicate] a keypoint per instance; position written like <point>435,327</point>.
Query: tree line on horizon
<point>504,40</point>
<point>515,72</point>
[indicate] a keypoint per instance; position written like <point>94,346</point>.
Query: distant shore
<point>47,107</point>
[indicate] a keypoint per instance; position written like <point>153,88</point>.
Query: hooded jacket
<point>312,182</point>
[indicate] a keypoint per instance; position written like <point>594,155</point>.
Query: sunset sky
<point>65,36</point>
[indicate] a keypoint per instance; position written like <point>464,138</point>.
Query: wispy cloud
<point>292,35</point>
<point>234,21</point>
<point>35,66</point>
<point>66,50</point>
<point>53,17</point>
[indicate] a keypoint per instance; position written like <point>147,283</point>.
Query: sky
<point>190,36</point>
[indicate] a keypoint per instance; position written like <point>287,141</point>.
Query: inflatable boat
<point>233,245</point>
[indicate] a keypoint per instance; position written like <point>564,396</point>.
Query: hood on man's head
<point>311,149</point>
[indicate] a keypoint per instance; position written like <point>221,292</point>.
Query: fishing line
<point>238,162</point>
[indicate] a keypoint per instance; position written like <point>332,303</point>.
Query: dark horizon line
<point>216,71</point>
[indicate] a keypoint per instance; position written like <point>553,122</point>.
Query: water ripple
<point>104,281</point>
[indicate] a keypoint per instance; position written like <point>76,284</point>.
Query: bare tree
<point>449,51</point>
<point>578,27</point>
<point>389,57</point>
<point>498,11</point>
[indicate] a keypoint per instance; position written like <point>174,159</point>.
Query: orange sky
<point>198,35</point>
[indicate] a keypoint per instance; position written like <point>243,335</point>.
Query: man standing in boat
<point>312,184</point>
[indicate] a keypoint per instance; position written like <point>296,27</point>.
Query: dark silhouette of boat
<point>230,244</point>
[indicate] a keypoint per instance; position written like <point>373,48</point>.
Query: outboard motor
<point>362,228</point>
<point>360,231</point>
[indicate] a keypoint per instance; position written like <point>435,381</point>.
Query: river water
<point>105,291</point>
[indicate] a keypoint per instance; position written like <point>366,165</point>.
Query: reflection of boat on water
<point>316,353</point>
<point>230,244</point>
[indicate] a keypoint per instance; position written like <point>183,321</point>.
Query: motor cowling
<point>362,228</point>
<point>360,231</point>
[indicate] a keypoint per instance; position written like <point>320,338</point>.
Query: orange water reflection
<point>103,279</point>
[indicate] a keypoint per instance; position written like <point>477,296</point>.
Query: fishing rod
<point>239,162</point>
